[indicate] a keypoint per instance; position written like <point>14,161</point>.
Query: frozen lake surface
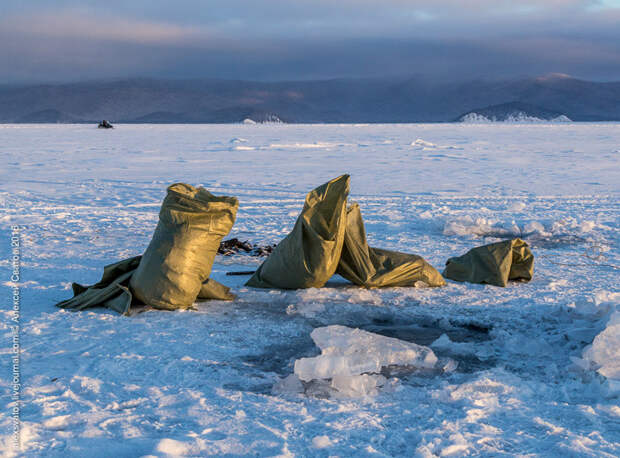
<point>528,378</point>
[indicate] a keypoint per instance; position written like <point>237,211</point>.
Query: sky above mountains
<point>307,39</point>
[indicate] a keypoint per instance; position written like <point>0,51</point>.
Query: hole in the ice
<point>426,333</point>
<point>475,327</point>
<point>280,358</point>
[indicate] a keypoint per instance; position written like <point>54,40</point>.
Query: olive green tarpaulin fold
<point>211,289</point>
<point>192,223</point>
<point>113,292</point>
<point>494,264</point>
<point>375,267</point>
<point>309,255</point>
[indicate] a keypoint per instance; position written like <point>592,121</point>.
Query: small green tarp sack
<point>192,223</point>
<point>494,264</point>
<point>309,255</point>
<point>375,267</point>
<point>113,292</point>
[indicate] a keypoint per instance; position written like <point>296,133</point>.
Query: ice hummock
<point>353,359</point>
<point>604,353</point>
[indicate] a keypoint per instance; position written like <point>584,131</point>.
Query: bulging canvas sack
<point>192,223</point>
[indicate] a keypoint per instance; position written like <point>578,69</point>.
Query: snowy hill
<point>518,112</point>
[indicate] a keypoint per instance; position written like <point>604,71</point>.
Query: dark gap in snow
<point>555,241</point>
<point>280,358</point>
<point>425,333</point>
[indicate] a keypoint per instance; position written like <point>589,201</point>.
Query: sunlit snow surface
<point>193,383</point>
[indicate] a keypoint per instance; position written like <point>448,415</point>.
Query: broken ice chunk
<point>358,385</point>
<point>450,366</point>
<point>328,366</point>
<point>604,353</point>
<point>348,352</point>
<point>288,386</point>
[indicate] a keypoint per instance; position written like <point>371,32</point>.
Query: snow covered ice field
<point>214,381</point>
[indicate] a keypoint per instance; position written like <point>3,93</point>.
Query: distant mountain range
<point>329,101</point>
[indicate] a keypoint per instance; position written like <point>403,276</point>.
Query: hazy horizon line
<point>386,77</point>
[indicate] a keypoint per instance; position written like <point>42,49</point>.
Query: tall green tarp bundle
<point>174,271</point>
<point>328,239</point>
<point>308,256</point>
<point>493,264</point>
<point>192,223</point>
<point>375,267</point>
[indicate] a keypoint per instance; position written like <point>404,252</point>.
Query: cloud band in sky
<point>303,39</point>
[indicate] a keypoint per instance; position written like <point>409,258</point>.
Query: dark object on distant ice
<point>105,125</point>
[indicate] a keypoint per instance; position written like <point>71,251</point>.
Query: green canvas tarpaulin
<point>375,267</point>
<point>327,239</point>
<point>174,271</point>
<point>308,256</point>
<point>192,223</point>
<point>494,264</point>
<point>113,292</point>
